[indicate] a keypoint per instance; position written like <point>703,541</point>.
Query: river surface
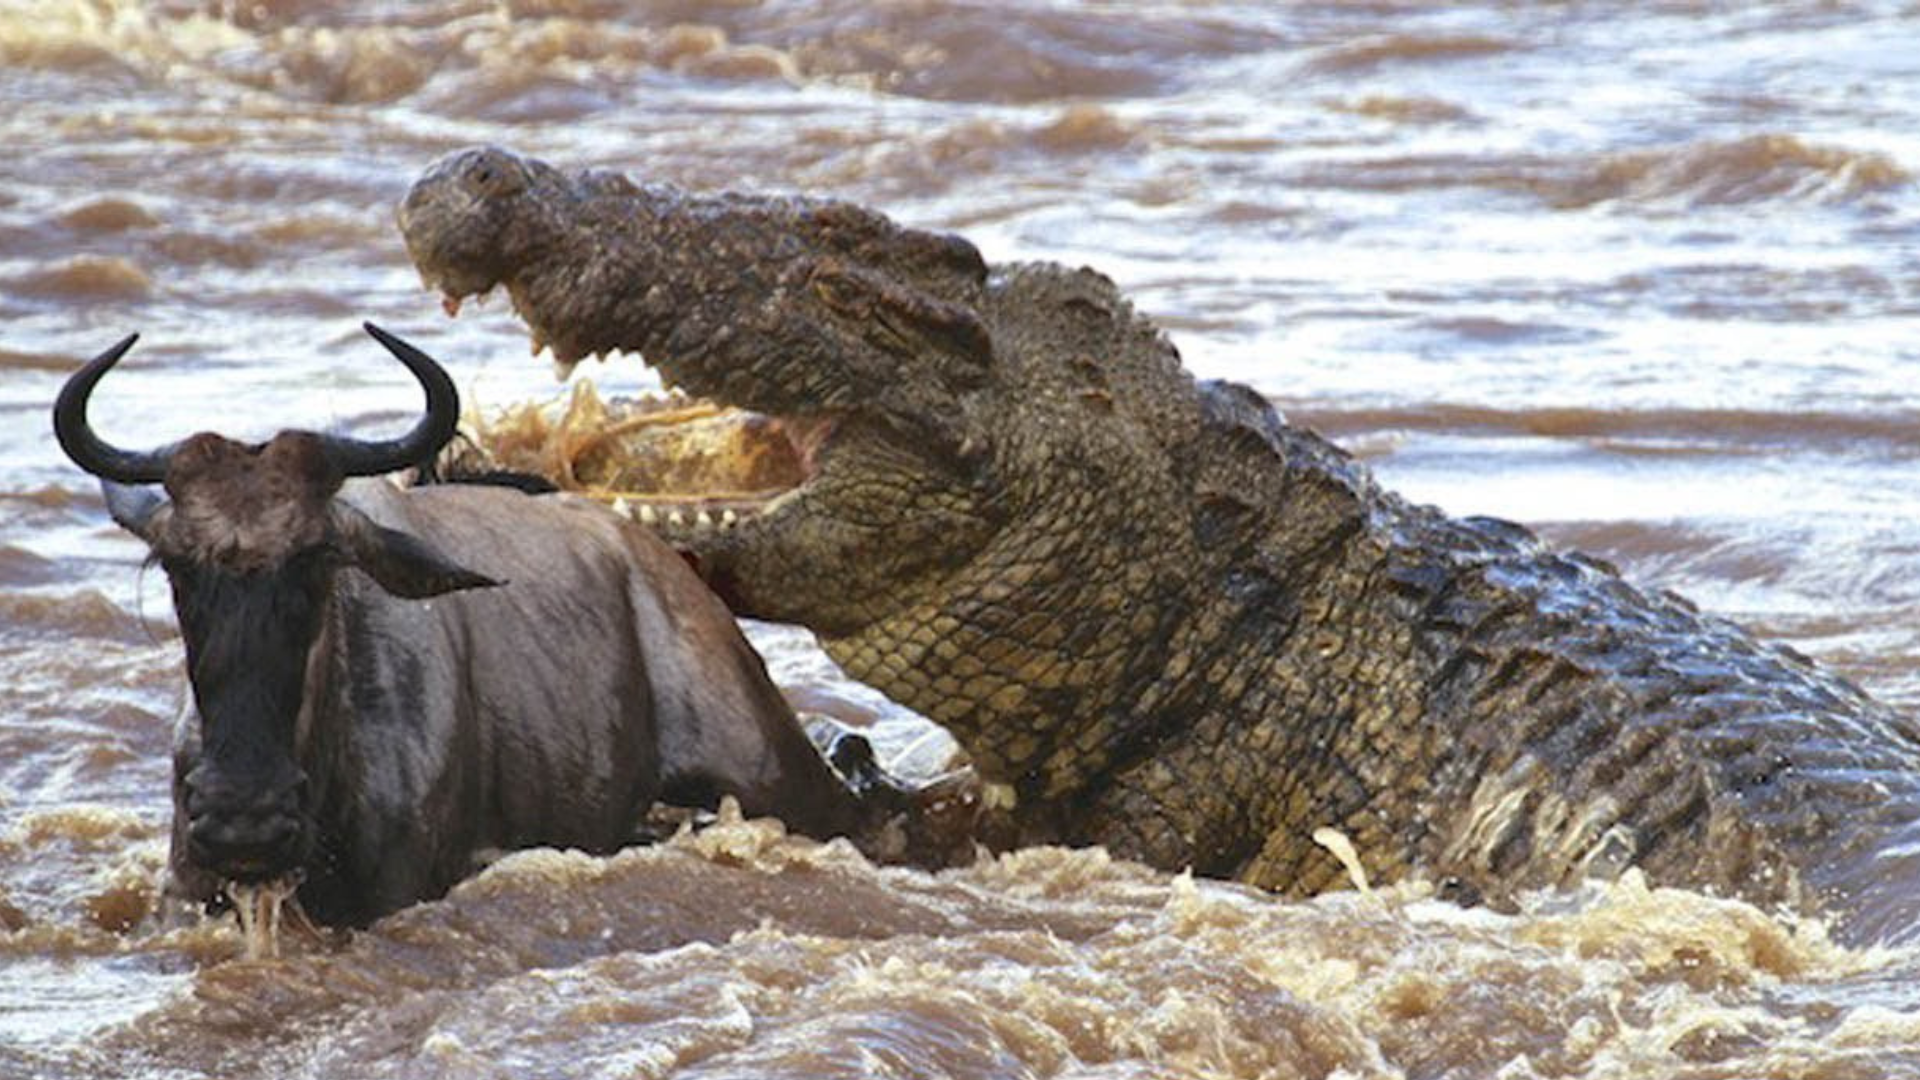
<point>1644,276</point>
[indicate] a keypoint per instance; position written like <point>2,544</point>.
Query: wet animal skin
<point>388,683</point>
<point>1157,616</point>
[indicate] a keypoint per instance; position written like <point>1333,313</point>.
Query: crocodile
<point>1157,616</point>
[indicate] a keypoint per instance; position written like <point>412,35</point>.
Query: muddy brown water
<point>1641,275</point>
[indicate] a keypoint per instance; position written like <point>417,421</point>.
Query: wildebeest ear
<point>132,506</point>
<point>402,564</point>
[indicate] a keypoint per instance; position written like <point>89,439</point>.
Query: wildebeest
<point>386,682</point>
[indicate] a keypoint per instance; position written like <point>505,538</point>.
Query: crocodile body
<point>1160,617</point>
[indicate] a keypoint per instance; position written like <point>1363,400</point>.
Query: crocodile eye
<point>495,178</point>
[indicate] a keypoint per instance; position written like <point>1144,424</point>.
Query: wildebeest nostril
<point>246,834</point>
<point>246,845</point>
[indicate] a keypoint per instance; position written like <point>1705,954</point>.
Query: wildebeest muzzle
<point>247,828</point>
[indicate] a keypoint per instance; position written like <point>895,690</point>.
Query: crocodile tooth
<point>729,519</point>
<point>620,507</point>
<point>777,503</point>
<point>702,520</point>
<point>536,344</point>
<point>450,304</point>
<point>563,369</point>
<point>677,519</point>
<point>648,515</point>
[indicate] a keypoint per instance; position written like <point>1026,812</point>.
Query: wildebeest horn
<point>361,457</point>
<point>90,451</point>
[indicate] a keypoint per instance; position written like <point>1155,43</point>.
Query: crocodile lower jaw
<point>677,516</point>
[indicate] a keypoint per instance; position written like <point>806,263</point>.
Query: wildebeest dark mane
<point>530,483</point>
<point>507,478</point>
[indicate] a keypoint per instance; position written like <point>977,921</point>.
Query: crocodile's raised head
<point>1162,618</point>
<point>853,334</point>
<point>941,455</point>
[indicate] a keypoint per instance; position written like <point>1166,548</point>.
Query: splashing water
<point>1642,277</point>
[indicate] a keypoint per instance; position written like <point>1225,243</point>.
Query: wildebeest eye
<point>321,558</point>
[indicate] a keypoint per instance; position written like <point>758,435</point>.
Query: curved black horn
<point>90,451</point>
<point>360,457</point>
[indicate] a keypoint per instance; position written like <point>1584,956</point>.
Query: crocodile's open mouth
<point>687,467</point>
<point>700,473</point>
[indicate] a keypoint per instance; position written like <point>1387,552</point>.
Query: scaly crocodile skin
<point>1167,620</point>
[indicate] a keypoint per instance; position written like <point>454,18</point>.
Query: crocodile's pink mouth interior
<point>669,461</point>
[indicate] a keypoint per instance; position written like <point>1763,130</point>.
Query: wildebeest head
<point>251,538</point>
